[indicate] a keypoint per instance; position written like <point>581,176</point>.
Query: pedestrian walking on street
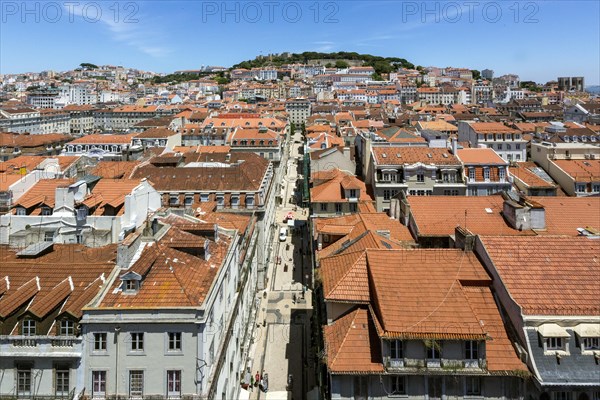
<point>256,378</point>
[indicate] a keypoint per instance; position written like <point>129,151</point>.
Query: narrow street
<point>282,337</point>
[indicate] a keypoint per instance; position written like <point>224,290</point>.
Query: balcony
<point>40,346</point>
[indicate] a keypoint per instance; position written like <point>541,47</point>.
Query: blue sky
<point>539,40</point>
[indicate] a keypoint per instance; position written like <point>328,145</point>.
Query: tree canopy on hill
<point>88,66</point>
<point>382,65</point>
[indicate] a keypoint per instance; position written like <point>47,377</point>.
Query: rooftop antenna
<point>466,218</point>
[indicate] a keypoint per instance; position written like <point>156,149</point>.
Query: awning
<point>552,330</point>
<point>588,330</point>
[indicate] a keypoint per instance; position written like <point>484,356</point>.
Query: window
<point>562,396</point>
<point>580,188</point>
<point>554,343</point>
<point>396,349</point>
<point>499,146</point>
<point>28,327</point>
<point>502,174</point>
<point>352,192</point>
<point>472,386</point>
<point>48,236</point>
<point>136,384</point>
<point>24,380</point>
<point>398,385</point>
<point>508,136</point>
<point>131,285</point>
<point>61,379</point>
<point>173,200</point>
<point>338,207</point>
<point>174,341</point>
<point>323,206</point>
<point>220,200</point>
<point>82,212</point>
<point>490,136</point>
<point>46,211</point>
<point>596,188</point>
<point>433,350</point>
<point>21,211</point>
<point>173,384</point>
<point>137,341</point>
<point>67,327</point>
<point>591,343</point>
<point>352,207</point>
<point>472,174</point>
<point>420,177</point>
<point>204,197</point>
<point>100,341</point>
<point>486,174</point>
<point>386,194</point>
<point>189,199</point>
<point>518,146</point>
<point>471,350</point>
<point>98,383</point>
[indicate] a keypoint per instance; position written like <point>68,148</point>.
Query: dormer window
<point>28,327</point>
<point>131,282</point>
<point>131,286</point>
<point>67,327</point>
<point>591,343</point>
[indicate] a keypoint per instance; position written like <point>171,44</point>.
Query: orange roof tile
<point>565,214</point>
<point>549,275</point>
<point>523,171</point>
<point>439,215</point>
<point>581,170</point>
<point>411,155</point>
<point>480,156</point>
<point>407,304</point>
<point>352,344</point>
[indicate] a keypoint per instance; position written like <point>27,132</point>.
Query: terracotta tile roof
<point>374,221</point>
<point>171,278</point>
<point>114,169</point>
<point>437,125</point>
<point>500,353</point>
<point>6,180</point>
<point>345,277</point>
<point>243,176</point>
<point>408,305</point>
<point>110,192</point>
<point>54,271</point>
<point>411,155</point>
<point>581,170</point>
<point>43,192</point>
<point>104,139</point>
<point>155,133</point>
<point>439,215</point>
<point>332,189</point>
<point>549,275</point>
<point>28,162</point>
<point>52,299</point>
<point>480,156</point>
<point>15,299</point>
<point>352,344</point>
<point>565,214</point>
<point>492,127</point>
<point>523,171</point>
<point>26,141</point>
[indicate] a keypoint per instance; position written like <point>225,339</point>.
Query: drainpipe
<point>117,330</point>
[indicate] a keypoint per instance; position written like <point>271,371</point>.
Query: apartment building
<point>336,192</point>
<point>298,110</point>
<point>507,142</point>
<point>485,172</point>
<point>574,166</point>
<point>416,171</point>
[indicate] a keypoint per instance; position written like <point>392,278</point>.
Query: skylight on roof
<point>489,210</point>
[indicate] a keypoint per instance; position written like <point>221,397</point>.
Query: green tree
<point>476,74</point>
<point>341,64</point>
<point>87,66</point>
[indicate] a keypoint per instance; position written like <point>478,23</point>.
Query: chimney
<point>522,213</point>
<point>464,239</point>
<point>454,144</point>
<point>347,153</point>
